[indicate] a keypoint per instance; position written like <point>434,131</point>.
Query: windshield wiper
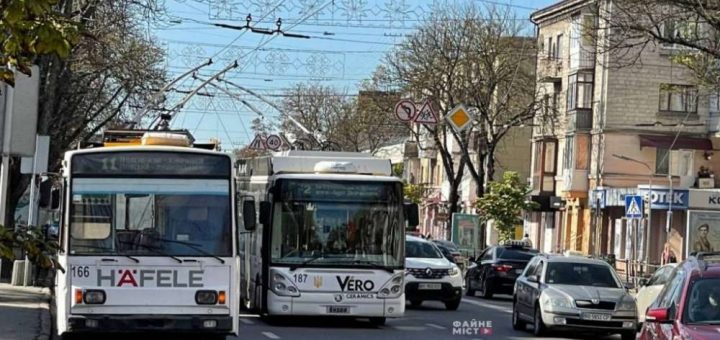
<point>374,265</point>
<point>195,247</point>
<point>152,250</point>
<point>295,266</point>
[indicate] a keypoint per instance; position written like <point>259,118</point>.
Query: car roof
<point>416,239</point>
<point>571,259</point>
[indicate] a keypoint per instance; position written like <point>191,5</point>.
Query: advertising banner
<point>703,231</point>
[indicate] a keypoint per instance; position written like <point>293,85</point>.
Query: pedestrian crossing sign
<point>633,206</point>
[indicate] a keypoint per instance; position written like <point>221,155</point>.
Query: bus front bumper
<point>336,304</point>
<point>160,323</point>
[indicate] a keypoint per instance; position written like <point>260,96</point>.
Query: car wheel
<point>517,324</point>
<point>415,303</point>
<point>379,321</point>
<point>630,335</point>
<point>538,324</point>
<point>468,291</point>
<point>485,291</point>
<point>453,304</point>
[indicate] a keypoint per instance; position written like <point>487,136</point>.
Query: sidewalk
<point>24,313</point>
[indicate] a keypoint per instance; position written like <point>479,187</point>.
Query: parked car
<point>557,292</point>
<point>688,306</point>
<point>496,269</point>
<point>650,288</point>
<point>430,276</point>
<point>451,252</point>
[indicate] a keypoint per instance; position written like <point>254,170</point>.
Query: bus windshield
<point>338,223</point>
<point>150,217</point>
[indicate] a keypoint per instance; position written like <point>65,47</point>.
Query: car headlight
<point>627,303</point>
<point>557,302</point>
<point>454,271</point>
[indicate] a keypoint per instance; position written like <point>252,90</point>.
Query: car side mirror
<point>471,259</point>
<point>265,212</point>
<point>412,214</point>
<point>532,278</point>
<point>629,285</point>
<point>249,216</point>
<point>660,315</point>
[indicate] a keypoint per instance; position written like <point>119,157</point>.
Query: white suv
<point>429,275</point>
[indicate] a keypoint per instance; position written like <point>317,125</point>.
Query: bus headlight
<point>282,286</point>
<point>393,288</point>
<point>206,297</point>
<point>94,297</point>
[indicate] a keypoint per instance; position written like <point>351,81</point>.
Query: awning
<point>686,143</point>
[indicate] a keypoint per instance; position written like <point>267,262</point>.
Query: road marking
<point>246,321</point>
<point>434,326</point>
<point>487,305</point>
<point>410,328</point>
<point>270,335</point>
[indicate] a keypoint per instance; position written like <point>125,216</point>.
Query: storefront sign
<point>705,199</point>
<point>663,199</point>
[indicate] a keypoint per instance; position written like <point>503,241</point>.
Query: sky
<point>348,40</point>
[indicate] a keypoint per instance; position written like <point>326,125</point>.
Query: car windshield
<point>447,245</point>
<point>338,223</point>
<point>580,274</point>
<point>421,250</point>
<point>704,302</point>
<point>151,217</point>
<point>516,254</point>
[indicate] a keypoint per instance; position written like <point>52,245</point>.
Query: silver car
<point>573,293</point>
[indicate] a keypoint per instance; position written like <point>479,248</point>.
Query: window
<point>558,47</point>
<point>530,268</point>
<point>675,162</point>
<point>678,98</point>
<point>550,157</point>
<point>538,270</point>
<point>580,88</point>
<point>544,169</point>
<point>683,30</point>
<point>550,47</point>
<point>581,274</point>
<point>568,155</point>
<point>516,254</point>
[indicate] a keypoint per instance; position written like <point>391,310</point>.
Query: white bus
<point>331,237</point>
<point>147,239</point>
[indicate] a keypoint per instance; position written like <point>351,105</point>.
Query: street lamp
<point>649,202</point>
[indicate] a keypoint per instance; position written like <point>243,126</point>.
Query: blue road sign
<point>633,206</point>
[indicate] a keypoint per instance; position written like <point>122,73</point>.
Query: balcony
<point>579,120</point>
<point>550,70</point>
<point>581,59</point>
<point>575,180</point>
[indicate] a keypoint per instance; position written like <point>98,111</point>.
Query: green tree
<point>415,192</point>
<point>30,28</point>
<point>504,203</point>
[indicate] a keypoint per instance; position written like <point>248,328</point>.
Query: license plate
<point>338,309</point>
<point>518,271</point>
<point>596,316</point>
<point>429,286</point>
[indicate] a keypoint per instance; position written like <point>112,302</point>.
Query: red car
<point>688,307</point>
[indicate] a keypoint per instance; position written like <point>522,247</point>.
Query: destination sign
<point>336,191</point>
<point>155,163</point>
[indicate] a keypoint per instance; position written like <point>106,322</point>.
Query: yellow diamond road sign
<point>459,118</point>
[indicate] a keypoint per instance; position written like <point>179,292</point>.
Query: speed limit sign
<point>273,142</point>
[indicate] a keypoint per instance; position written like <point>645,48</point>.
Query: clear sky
<point>348,41</point>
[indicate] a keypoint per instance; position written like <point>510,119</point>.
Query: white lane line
<point>487,305</point>
<point>270,335</point>
<point>246,321</point>
<point>410,328</point>
<point>434,326</point>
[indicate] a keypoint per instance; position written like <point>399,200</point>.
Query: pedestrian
<point>668,256</point>
<point>527,240</point>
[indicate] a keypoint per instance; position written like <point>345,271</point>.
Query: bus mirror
<point>55,199</point>
<point>265,209</point>
<point>411,211</point>
<point>249,217</point>
<point>45,193</point>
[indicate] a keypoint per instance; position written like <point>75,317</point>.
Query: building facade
<point>619,128</point>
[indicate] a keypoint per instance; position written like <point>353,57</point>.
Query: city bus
<point>330,239</point>
<point>148,238</point>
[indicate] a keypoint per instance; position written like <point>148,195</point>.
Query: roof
<point>556,8</point>
<point>416,239</point>
<point>146,148</point>
<point>574,259</point>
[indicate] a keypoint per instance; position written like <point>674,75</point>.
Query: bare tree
<point>112,68</point>
<point>476,57</point>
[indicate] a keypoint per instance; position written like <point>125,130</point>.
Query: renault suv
<point>573,293</point>
<point>429,275</point>
<point>688,306</point>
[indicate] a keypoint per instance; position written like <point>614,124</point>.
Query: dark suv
<point>496,269</point>
<point>688,306</point>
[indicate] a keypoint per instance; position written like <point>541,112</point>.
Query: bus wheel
<point>378,321</point>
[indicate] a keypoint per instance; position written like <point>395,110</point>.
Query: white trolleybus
<point>331,237</point>
<point>147,239</point>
